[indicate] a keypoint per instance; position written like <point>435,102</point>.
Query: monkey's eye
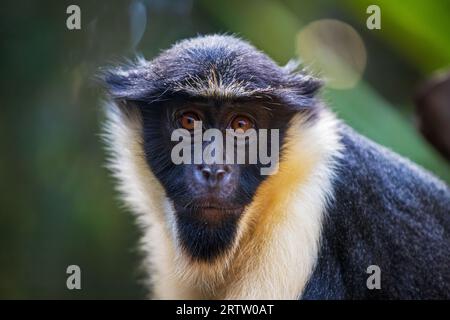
<point>187,120</point>
<point>241,122</point>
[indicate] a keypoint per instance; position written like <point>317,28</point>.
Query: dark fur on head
<point>237,66</point>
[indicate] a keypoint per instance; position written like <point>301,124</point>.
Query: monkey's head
<point>224,83</point>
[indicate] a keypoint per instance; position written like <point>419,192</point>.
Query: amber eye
<point>187,120</point>
<point>241,122</point>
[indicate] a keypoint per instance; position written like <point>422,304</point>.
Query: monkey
<point>337,204</point>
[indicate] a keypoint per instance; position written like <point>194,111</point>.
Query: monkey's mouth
<point>210,212</point>
<point>206,230</point>
<point>220,210</point>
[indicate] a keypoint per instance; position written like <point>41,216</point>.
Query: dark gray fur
<point>180,70</point>
<point>386,212</point>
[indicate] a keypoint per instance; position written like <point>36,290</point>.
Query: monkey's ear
<point>299,87</point>
<point>133,81</point>
<point>302,81</point>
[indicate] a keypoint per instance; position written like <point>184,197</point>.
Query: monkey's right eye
<point>187,120</point>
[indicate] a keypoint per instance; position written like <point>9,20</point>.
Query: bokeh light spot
<point>333,49</point>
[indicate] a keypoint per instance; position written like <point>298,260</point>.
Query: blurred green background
<point>57,202</point>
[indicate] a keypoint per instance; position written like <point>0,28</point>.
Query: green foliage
<point>418,29</point>
<point>371,115</point>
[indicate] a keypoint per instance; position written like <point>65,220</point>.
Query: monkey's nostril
<point>206,172</point>
<point>212,175</point>
<point>220,174</point>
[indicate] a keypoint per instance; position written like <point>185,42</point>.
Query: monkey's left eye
<point>241,122</point>
<point>187,120</point>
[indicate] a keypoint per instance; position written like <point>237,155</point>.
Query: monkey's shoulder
<point>371,174</point>
<point>386,212</point>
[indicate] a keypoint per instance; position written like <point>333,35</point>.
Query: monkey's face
<point>226,84</point>
<point>209,197</point>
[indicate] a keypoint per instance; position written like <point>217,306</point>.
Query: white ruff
<point>278,237</point>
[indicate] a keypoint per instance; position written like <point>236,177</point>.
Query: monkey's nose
<point>213,175</point>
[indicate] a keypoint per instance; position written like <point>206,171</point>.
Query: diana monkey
<point>337,204</point>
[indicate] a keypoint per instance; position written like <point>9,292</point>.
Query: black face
<point>209,199</point>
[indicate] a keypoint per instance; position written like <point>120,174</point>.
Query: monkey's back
<point>386,212</point>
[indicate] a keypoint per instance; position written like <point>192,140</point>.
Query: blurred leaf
<point>368,113</point>
<point>418,29</point>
